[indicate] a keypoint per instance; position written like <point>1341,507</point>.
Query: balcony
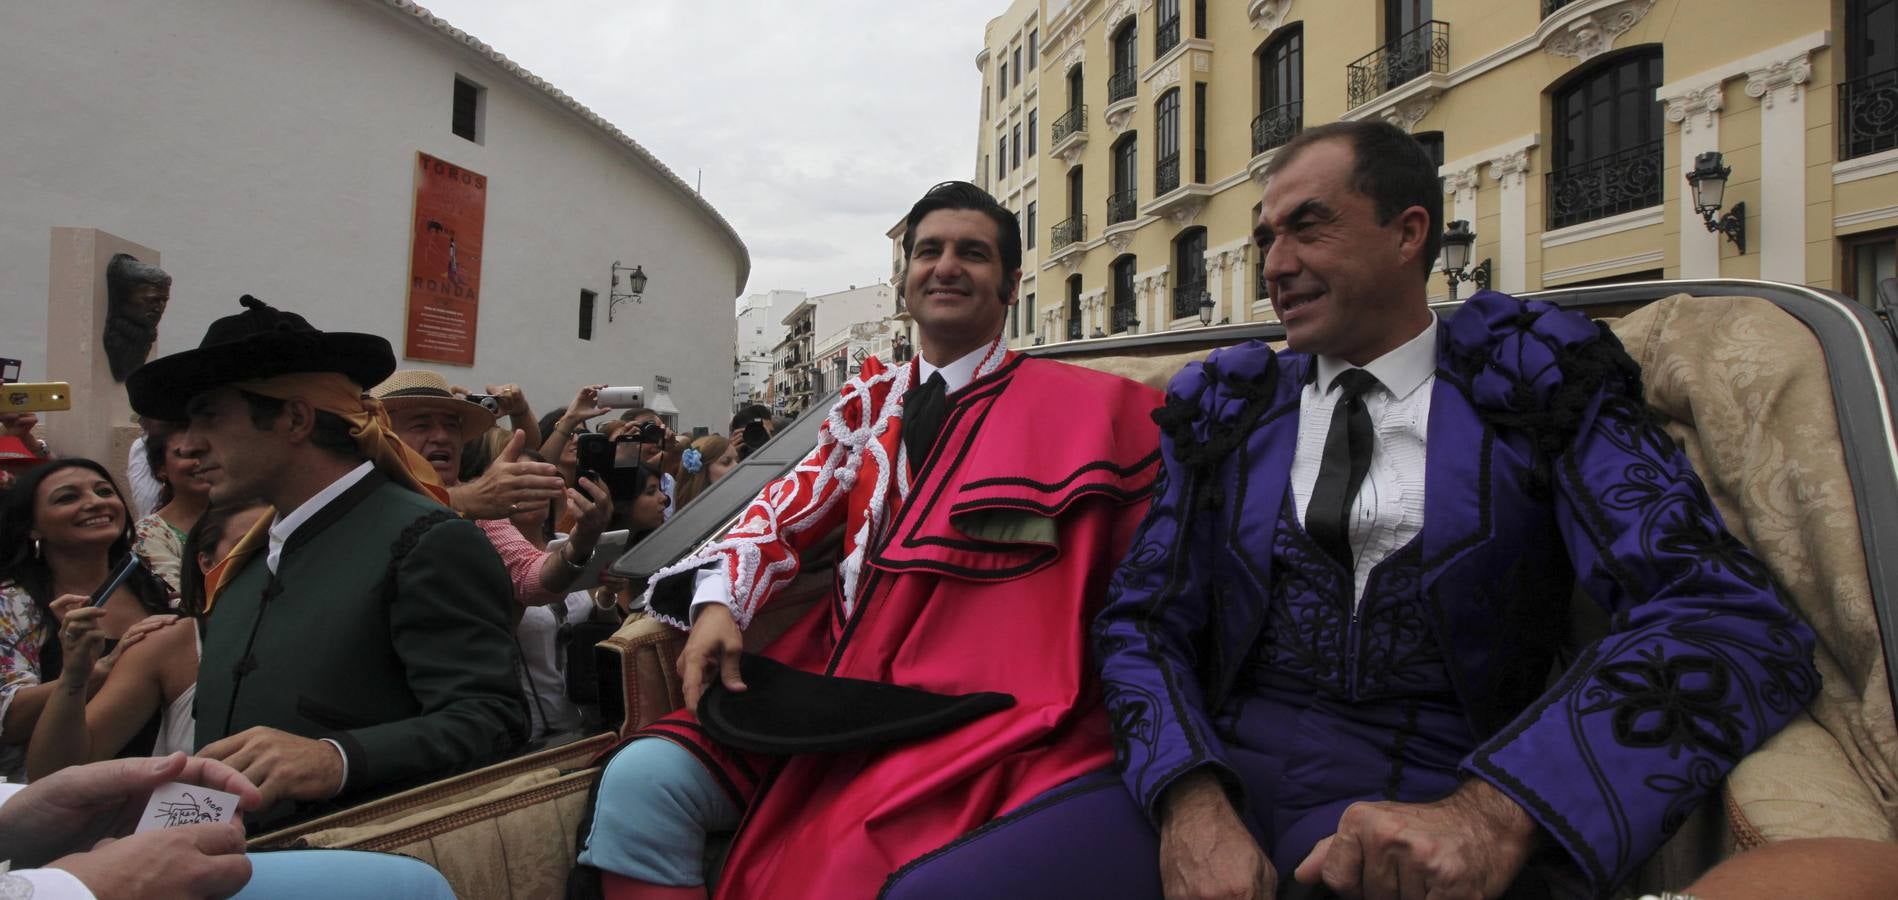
<point>1272,128</point>
<point>1068,134</point>
<point>1122,206</point>
<point>1608,185</point>
<point>1123,318</point>
<point>1868,114</point>
<point>1121,85</point>
<point>1072,231</point>
<point>1422,50</point>
<point>1166,174</point>
<point>1166,37</point>
<point>1549,7</point>
<point>1186,298</point>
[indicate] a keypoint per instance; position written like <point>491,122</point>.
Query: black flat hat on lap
<point>260,342</point>
<point>784,710</point>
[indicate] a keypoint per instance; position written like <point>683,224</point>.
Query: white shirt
<point>285,526</point>
<point>1389,509</point>
<point>45,884</point>
<point>712,586</point>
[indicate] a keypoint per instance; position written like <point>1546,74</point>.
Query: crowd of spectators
<point>82,682</point>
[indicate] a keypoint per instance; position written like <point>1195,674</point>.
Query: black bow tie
<point>924,408</point>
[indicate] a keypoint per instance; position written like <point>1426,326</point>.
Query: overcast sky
<point>816,123</point>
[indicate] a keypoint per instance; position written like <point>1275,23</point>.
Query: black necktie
<point>923,410</point>
<point>1340,474</point>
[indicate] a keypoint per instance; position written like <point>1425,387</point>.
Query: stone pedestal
<point>100,425</point>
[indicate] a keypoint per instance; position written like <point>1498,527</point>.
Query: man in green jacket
<point>356,641</point>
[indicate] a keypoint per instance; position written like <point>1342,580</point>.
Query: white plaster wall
<point>268,148</point>
<point>846,308</point>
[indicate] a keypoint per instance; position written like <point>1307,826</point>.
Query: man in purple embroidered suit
<point>1328,655</point>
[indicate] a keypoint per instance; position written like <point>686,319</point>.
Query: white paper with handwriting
<point>177,804</point>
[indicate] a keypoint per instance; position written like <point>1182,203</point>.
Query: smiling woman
<point>62,527</point>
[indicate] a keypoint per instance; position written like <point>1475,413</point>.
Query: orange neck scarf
<point>375,437</point>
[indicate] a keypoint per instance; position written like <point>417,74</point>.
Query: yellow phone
<point>44,396</point>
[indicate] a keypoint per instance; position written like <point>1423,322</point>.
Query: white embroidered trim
<point>836,475</point>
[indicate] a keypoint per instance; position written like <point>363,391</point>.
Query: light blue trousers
<point>656,804</point>
<point>341,875</point>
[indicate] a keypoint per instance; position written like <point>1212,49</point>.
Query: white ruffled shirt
<point>1389,509</point>
<point>712,585</point>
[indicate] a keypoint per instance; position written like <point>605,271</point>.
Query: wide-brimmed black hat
<point>260,342</point>
<point>786,711</point>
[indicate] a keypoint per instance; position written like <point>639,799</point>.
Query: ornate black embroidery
<point>1131,712</point>
<point>1677,701</point>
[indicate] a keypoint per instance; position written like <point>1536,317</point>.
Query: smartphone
<point>9,370</point>
<point>595,454</point>
<point>621,397</point>
<point>124,571</point>
<point>35,397</point>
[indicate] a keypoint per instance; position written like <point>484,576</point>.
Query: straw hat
<point>417,388</point>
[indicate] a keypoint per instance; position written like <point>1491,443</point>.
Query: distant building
<point>803,375</point>
<point>760,330</point>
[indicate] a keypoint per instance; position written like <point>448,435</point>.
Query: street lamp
<point>1457,241</point>
<point>1205,309</point>
<point>635,287</point>
<point>1709,181</point>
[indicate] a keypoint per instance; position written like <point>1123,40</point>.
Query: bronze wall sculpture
<point>136,296</point>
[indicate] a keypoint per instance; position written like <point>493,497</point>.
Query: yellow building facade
<point>1134,135</point>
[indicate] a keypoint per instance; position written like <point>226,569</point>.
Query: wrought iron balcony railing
<point>1120,85</point>
<point>1123,317</point>
<point>1425,48</point>
<point>1187,297</point>
<point>1277,125</point>
<point>1550,6</point>
<point>1607,185</point>
<point>1868,114</point>
<point>1166,174</point>
<point>1074,121</point>
<point>1074,329</point>
<point>1167,36</point>
<point>1069,232</point>
<point>1121,206</point>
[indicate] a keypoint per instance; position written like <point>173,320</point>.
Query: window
<point>1032,127</point>
<point>467,111</point>
<point>1122,203</point>
<point>1167,35</point>
<point>1123,318</point>
<point>1034,43</point>
<point>1166,149</point>
<point>1075,92</point>
<point>1029,225</point>
<point>586,315</point>
<point>1189,273</point>
<point>1074,193</point>
<point>1402,17</point>
<point>1126,76</point>
<point>1607,147</point>
<point>1868,98</point>
<point>1001,155</point>
<point>1028,311</point>
<point>1001,83</point>
<point>1199,19</point>
<point>1869,259</point>
<point>1014,321</point>
<point>1015,161</point>
<point>1018,65</point>
<point>1074,307</point>
<point>1199,132</point>
<point>1410,46</point>
<point>1281,90</point>
<point>1432,142</point>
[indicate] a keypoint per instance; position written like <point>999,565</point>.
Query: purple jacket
<point>1545,469</point>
